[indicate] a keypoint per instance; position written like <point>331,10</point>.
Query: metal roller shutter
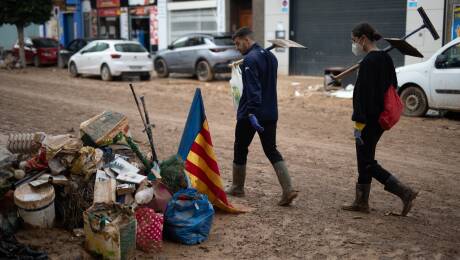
<point>324,26</point>
<point>192,21</point>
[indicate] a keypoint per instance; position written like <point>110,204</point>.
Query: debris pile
<point>100,181</point>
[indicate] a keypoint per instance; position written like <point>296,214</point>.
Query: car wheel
<point>73,70</point>
<point>415,101</point>
<point>204,71</point>
<point>105,73</point>
<point>161,68</point>
<point>37,62</point>
<point>145,76</point>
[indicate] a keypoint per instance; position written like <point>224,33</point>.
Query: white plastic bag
<point>236,86</point>
<point>144,196</point>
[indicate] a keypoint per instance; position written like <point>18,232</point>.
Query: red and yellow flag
<point>197,151</point>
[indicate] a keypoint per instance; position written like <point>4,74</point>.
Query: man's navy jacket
<point>259,73</point>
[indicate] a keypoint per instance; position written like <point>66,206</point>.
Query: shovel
<point>276,43</point>
<point>395,43</point>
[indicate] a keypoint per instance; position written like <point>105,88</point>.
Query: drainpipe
<point>86,11</point>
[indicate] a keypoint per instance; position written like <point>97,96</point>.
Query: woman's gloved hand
<point>357,132</point>
<point>255,123</point>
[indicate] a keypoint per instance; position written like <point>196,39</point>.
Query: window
<point>102,46</point>
<point>195,41</point>
<point>82,44</point>
<point>453,57</point>
<point>73,46</point>
<point>90,48</point>
<point>180,43</point>
<point>129,47</point>
<point>45,43</point>
<point>223,41</point>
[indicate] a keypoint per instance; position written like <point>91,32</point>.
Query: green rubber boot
<point>404,192</point>
<point>361,203</point>
<point>239,176</point>
<point>285,181</point>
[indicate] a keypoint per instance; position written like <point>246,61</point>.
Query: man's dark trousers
<point>244,133</point>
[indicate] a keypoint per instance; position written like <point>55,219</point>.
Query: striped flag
<point>197,151</point>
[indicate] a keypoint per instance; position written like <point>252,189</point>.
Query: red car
<point>38,51</point>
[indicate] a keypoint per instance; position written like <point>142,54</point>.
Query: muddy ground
<point>314,136</point>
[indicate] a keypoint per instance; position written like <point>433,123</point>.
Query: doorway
<point>240,14</point>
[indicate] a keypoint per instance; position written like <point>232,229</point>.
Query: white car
<point>112,58</point>
<point>434,83</point>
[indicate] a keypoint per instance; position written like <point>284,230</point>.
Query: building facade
<point>9,34</point>
<point>325,27</point>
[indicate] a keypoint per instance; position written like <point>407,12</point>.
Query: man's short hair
<point>243,32</point>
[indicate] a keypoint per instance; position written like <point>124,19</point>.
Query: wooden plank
<point>104,188</point>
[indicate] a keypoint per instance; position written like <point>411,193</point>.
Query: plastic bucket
<point>36,205</point>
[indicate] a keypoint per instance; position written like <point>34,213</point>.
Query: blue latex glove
<point>357,134</point>
<point>255,123</point>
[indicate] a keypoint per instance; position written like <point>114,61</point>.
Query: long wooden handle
<point>149,129</point>
<point>236,63</point>
<point>346,72</point>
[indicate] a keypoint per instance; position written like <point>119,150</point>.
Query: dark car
<point>73,47</point>
<point>203,55</point>
<point>38,51</point>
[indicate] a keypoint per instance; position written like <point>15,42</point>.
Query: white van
<point>434,83</point>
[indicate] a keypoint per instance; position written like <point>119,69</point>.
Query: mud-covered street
<point>316,140</point>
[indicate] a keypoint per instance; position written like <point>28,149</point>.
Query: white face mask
<point>357,49</point>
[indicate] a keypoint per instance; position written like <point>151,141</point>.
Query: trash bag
<point>149,233</point>
<point>10,222</point>
<point>236,86</point>
<point>188,217</point>
<point>10,248</point>
<point>110,231</point>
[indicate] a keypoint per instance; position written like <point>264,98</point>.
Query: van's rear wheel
<point>415,101</point>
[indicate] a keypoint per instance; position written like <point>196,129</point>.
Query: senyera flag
<point>200,160</point>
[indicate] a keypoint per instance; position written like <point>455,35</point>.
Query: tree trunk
<point>22,56</point>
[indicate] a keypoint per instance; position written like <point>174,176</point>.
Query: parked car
<point>434,83</point>
<point>112,58</point>
<point>73,47</point>
<point>38,51</point>
<point>203,55</point>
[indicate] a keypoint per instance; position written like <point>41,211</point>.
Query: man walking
<point>258,111</point>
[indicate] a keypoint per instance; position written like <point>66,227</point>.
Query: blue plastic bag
<point>188,217</point>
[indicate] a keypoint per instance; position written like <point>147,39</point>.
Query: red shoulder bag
<point>393,109</point>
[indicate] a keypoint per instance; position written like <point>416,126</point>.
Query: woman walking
<point>375,76</point>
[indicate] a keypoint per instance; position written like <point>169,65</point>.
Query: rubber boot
<point>239,176</point>
<point>361,203</point>
<point>285,181</point>
<point>403,191</point>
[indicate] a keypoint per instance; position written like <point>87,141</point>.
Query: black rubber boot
<point>239,176</point>
<point>361,203</point>
<point>285,181</point>
<point>403,191</point>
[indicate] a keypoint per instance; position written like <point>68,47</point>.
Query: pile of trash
<point>102,182</point>
<point>8,60</point>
